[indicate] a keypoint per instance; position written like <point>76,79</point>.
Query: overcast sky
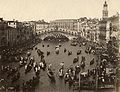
<point>54,9</point>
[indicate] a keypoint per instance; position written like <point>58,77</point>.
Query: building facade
<point>89,29</point>
<point>14,33</point>
<point>104,33</point>
<point>40,25</point>
<point>64,23</point>
<point>3,26</point>
<point>105,11</point>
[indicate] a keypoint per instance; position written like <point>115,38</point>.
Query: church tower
<point>105,11</point>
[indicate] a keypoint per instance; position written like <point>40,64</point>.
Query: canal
<point>45,85</point>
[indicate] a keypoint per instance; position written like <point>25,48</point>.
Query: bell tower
<point>105,10</point>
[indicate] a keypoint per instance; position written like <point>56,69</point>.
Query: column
<point>108,31</point>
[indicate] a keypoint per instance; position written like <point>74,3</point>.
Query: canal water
<point>45,85</point>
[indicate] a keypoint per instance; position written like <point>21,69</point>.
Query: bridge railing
<point>66,31</point>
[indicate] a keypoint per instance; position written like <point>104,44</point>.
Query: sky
<point>24,10</point>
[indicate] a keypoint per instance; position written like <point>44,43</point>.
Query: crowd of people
<point>11,60</point>
<point>72,76</point>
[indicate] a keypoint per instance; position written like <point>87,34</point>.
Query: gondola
<point>66,78</point>
<point>40,52</point>
<point>86,51</point>
<point>35,48</point>
<point>61,73</point>
<point>76,60</point>
<point>51,75</point>
<point>73,44</point>
<point>29,67</point>
<point>83,64</point>
<point>84,43</point>
<point>65,50</point>
<point>48,53</point>
<point>59,45</point>
<point>69,53</point>
<point>57,51</point>
<point>22,63</point>
<point>92,61</point>
<point>28,53</point>
<point>78,52</point>
<point>43,65</point>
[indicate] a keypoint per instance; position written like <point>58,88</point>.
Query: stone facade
<point>14,33</point>
<point>64,23</point>
<point>40,25</point>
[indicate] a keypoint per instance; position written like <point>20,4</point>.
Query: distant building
<point>3,26</point>
<point>40,25</point>
<point>14,33</point>
<point>64,23</point>
<point>33,25</point>
<point>104,34</point>
<point>105,11</point>
<point>109,28</point>
<point>113,25</point>
<point>102,28</point>
<point>86,28</point>
<point>12,24</point>
<point>89,28</point>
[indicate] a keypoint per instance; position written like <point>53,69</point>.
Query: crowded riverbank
<point>57,66</point>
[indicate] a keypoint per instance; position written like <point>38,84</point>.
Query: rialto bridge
<point>60,31</point>
<point>88,35</point>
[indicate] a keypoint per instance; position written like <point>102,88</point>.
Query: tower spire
<point>105,10</point>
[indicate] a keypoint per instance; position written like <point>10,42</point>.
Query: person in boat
<point>82,64</point>
<point>50,74</point>
<point>35,48</point>
<point>47,45</point>
<point>32,60</point>
<point>25,67</point>
<point>34,64</point>
<point>92,61</point>
<point>77,69</point>
<point>69,53</point>
<point>26,58</point>
<point>76,59</point>
<point>65,50</point>
<point>42,64</point>
<point>20,63</point>
<point>42,56</point>
<point>28,53</point>
<point>21,58</point>
<point>28,68</point>
<point>62,65</point>
<point>49,67</point>
<point>83,58</point>
<point>66,78</point>
<point>37,71</point>
<point>71,81</point>
<point>61,72</point>
<point>78,52</point>
<point>48,53</point>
